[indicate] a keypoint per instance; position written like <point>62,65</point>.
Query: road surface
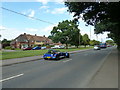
<point>73,72</point>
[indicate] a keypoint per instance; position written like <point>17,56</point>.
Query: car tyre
<point>45,58</point>
<point>68,55</point>
<point>57,57</point>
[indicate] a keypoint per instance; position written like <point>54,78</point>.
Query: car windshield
<point>51,51</point>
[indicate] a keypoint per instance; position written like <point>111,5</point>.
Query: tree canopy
<point>85,39</point>
<point>104,16</point>
<point>66,32</point>
<point>110,42</point>
<point>94,42</point>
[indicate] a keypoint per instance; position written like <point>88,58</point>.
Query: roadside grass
<point>28,53</point>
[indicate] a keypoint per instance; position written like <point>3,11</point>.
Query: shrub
<point>8,47</point>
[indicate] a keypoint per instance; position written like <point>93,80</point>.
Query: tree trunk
<point>77,46</point>
<point>66,46</point>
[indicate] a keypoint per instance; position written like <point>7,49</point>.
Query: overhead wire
<point>27,16</point>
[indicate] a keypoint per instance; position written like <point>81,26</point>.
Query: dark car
<point>36,48</point>
<point>27,48</point>
<point>55,54</point>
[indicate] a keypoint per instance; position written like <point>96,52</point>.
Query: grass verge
<point>28,53</point>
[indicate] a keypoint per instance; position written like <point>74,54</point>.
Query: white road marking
<point>67,60</point>
<point>11,77</point>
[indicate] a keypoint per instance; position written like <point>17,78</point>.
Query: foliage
<point>5,43</point>
<point>8,47</point>
<point>66,32</point>
<point>85,39</point>
<point>103,15</point>
<point>110,42</point>
<point>94,42</point>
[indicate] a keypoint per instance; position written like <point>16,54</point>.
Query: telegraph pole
<point>90,32</point>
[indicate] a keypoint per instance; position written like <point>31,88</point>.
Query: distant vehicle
<point>103,45</point>
<point>58,47</point>
<point>55,54</point>
<point>109,45</point>
<point>36,48</point>
<point>96,47</point>
<point>43,47</point>
<point>27,48</point>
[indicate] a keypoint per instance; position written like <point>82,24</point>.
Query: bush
<point>8,47</point>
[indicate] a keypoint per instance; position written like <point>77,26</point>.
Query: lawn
<point>20,54</point>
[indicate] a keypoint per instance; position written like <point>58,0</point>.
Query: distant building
<point>25,40</point>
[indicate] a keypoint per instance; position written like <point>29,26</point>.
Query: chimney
<point>24,33</point>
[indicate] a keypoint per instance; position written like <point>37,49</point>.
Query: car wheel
<point>45,58</point>
<point>57,57</point>
<point>68,55</point>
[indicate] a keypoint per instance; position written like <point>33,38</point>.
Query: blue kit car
<point>55,54</point>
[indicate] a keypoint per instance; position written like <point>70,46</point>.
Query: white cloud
<point>43,1</point>
<point>2,28</point>
<point>44,7</point>
<point>46,1</point>
<point>10,33</point>
<point>29,12</point>
<point>59,10</point>
<point>31,29</point>
<point>32,13</point>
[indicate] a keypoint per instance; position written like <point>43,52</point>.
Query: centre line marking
<point>11,77</point>
<point>67,60</point>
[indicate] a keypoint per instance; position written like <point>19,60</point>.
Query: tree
<point>5,43</point>
<point>66,32</point>
<point>104,16</point>
<point>110,42</point>
<point>94,42</point>
<point>76,39</point>
<point>85,39</point>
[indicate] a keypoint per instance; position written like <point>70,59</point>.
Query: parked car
<point>55,54</point>
<point>58,47</point>
<point>36,48</point>
<point>43,47</point>
<point>96,47</point>
<point>109,45</point>
<point>27,48</point>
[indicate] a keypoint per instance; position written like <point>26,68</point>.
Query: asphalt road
<point>73,72</point>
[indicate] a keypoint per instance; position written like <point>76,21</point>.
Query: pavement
<point>107,75</point>
<point>7,62</point>
<point>81,70</point>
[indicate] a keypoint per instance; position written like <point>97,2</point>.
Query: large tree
<point>66,32</point>
<point>94,42</point>
<point>103,15</point>
<point>85,39</point>
<point>110,42</point>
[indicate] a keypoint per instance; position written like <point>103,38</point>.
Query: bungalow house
<point>25,40</point>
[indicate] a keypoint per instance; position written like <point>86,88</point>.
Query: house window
<point>38,41</point>
<point>25,40</point>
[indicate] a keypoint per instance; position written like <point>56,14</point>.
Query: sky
<point>12,24</point>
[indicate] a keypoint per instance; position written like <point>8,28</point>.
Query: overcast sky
<point>52,12</point>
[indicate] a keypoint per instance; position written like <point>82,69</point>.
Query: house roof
<point>23,37</point>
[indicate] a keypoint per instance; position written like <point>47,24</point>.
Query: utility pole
<point>97,37</point>
<point>90,32</point>
<point>79,38</point>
